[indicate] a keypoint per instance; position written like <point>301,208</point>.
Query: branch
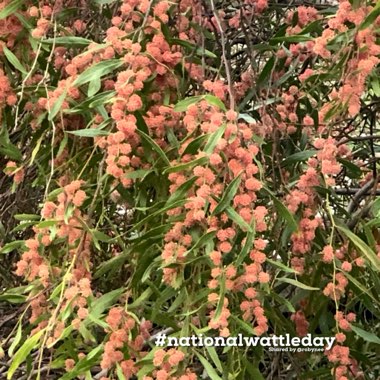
<point>224,57</point>
<point>353,190</point>
<point>360,194</point>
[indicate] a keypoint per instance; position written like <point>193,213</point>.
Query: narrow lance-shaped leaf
<point>57,106</point>
<point>214,101</point>
<point>186,165</point>
<point>98,70</point>
<point>371,17</point>
<point>235,217</point>
<point>67,40</point>
<point>10,8</point>
<point>214,138</point>
<point>16,340</point>
<point>280,265</point>
<point>298,157</point>
<point>14,60</point>
<point>9,247</point>
<point>208,367</point>
<point>154,146</point>
<point>228,195</point>
<point>366,335</point>
<point>296,283</point>
<point>182,105</point>
<point>361,246</point>
<point>89,132</point>
<point>21,355</point>
<point>283,211</point>
<point>247,247</point>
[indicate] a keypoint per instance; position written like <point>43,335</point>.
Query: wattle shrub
<point>188,167</point>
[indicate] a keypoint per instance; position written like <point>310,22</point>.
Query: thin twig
<point>224,57</point>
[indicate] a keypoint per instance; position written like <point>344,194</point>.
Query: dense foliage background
<point>190,167</point>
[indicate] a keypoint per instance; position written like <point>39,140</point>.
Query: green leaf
<point>194,145</point>
<point>14,60</point>
<point>247,247</point>
<point>104,2</point>
<point>89,132</point>
<point>57,106</point>
<point>370,19</point>
<point>375,207</point>
<point>27,217</point>
<point>234,216</point>
<point>16,340</point>
<point>57,291</point>
<point>97,71</point>
<point>94,86</point>
<point>188,165</point>
<point>119,372</point>
<point>214,101</point>
<point>145,369</point>
<point>161,211</point>
<point>143,298</point>
<point>296,283</point>
<point>182,190</point>
<point>104,302</point>
<point>47,223</point>
<point>86,333</point>
<point>360,286</point>
<point>138,174</point>
<point>101,99</point>
<point>85,364</point>
<point>208,367</point>
<point>24,21</point>
<point>283,301</point>
<point>293,39</point>
<point>10,150</point>
<point>215,358</point>
<point>208,236</point>
<point>362,246</point>
<point>23,226</point>
<point>98,321</point>
<point>36,149</point>
<point>366,335</point>
<point>253,371</point>
<point>375,84</point>
<point>12,298</point>
<point>9,247</point>
<point>266,102</point>
<point>101,236</point>
<point>163,319</point>
<point>140,122</point>
<point>200,51</point>
<point>244,325</point>
<point>10,8</point>
<point>214,138</point>
<point>222,292</point>
<point>228,195</point>
<point>353,171</point>
<point>182,105</point>
<point>248,118</point>
<point>67,40</point>
<point>283,211</point>
<point>298,157</point>
<point>280,265</point>
<point>21,355</point>
<point>154,146</point>
<point>94,101</point>
<point>266,72</point>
